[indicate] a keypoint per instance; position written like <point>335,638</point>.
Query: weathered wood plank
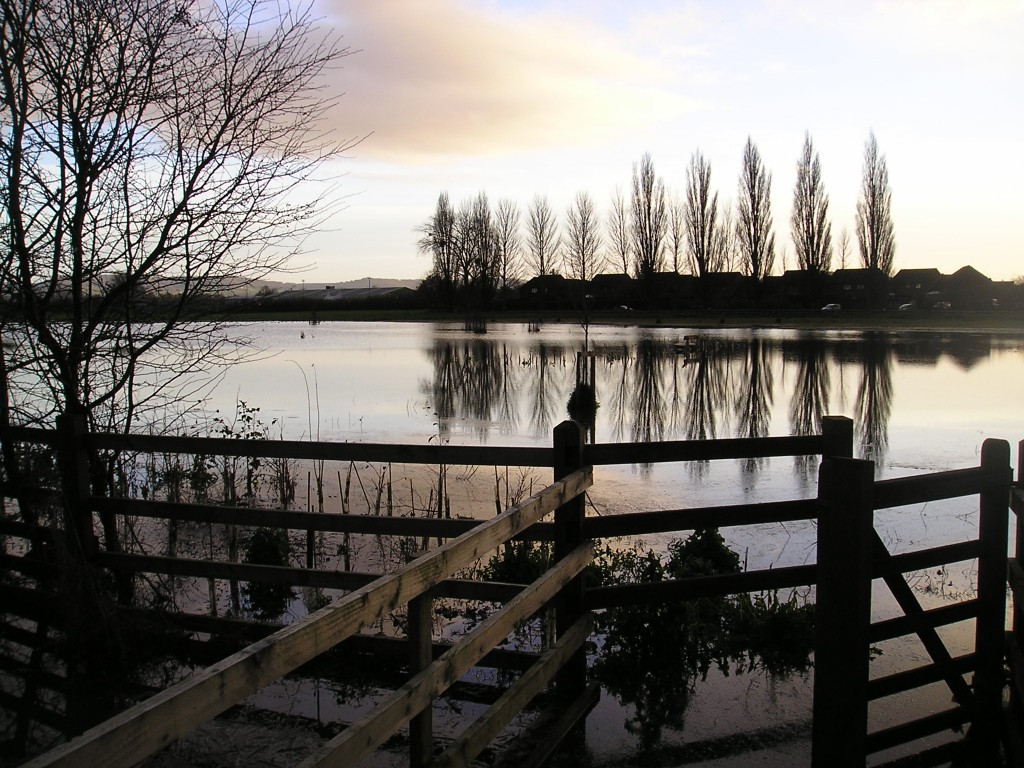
<point>10,527</point>
<point>1015,578</point>
<point>918,489</point>
<point>475,739</point>
<point>893,736</point>
<point>375,727</point>
<point>670,520</point>
<point>298,520</point>
<point>483,455</point>
<point>702,450</point>
<point>465,589</point>
<point>936,617</point>
<point>136,733</point>
<point>420,655</point>
<point>1015,661</point>
<point>906,680</point>
<point>910,606</point>
<point>380,646</point>
<point>700,586</point>
<point>553,725</point>
<point>842,613</point>
<point>923,559</point>
<point>1017,498</point>
<point>37,569</point>
<point>35,711</point>
<point>34,604</point>
<point>29,435</point>
<point>989,629</point>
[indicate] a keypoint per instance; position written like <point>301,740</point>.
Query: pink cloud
<point>448,77</point>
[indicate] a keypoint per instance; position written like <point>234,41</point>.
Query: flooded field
<point>920,402</point>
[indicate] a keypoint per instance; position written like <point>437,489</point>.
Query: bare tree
<point>479,263</point>
<point>619,233</point>
<point>676,232</point>
<point>844,248</point>
<point>160,141</point>
<point>581,250</point>
<point>754,222</point>
<point>650,219</point>
<point>701,215</point>
<point>874,211</point>
<point>725,248</point>
<point>542,238</point>
<point>438,238</point>
<point>812,231</point>
<point>509,243</point>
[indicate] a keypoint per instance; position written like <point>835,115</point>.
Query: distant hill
<point>281,286</point>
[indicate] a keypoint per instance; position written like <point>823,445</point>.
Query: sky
<point>517,98</point>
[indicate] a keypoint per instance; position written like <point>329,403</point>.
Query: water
<point>921,402</point>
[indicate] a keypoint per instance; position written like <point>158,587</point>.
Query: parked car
<point>831,308</point>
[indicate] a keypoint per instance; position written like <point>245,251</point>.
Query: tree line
<point>480,252</point>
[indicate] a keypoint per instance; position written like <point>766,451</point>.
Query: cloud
<point>444,78</point>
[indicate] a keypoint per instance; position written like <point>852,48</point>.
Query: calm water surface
<point>921,402</point>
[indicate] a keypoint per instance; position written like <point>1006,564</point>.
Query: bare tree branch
<point>153,152</point>
<point>701,215</point>
<point>650,219</point>
<point>542,237</point>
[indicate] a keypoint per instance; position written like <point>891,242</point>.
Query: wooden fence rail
<point>850,555</point>
<point>149,726</point>
<point>1014,640</point>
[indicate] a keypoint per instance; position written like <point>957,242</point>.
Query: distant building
<point>859,288</point>
<point>968,289</point>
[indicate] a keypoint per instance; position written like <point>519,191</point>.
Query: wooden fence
<point>850,556</point>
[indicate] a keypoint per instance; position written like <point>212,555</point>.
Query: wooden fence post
<point>842,613</point>
<point>568,445</point>
<point>990,627</point>
<point>421,646</point>
<point>74,473</point>
<point>1018,551</point>
<point>837,434</point>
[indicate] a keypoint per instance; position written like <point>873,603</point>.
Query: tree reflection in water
<point>755,397</point>
<point>651,391</point>
<point>547,386</point>
<point>810,399</point>
<point>873,406</point>
<point>652,656</point>
<point>648,406</point>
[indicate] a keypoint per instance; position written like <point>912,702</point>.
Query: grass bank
<point>990,322</point>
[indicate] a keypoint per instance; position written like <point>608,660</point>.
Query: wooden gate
<point>850,555</point>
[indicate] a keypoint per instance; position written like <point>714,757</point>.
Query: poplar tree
<point>701,215</point>
<point>811,229</point>
<point>754,215</point>
<point>874,211</point>
<point>650,219</point>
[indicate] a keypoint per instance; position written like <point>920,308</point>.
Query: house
<point>724,290</point>
<point>968,289</point>
<point>859,288</point>
<point>546,291</point>
<point>923,288</point>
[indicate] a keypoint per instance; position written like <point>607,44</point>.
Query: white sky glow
<point>520,98</point>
